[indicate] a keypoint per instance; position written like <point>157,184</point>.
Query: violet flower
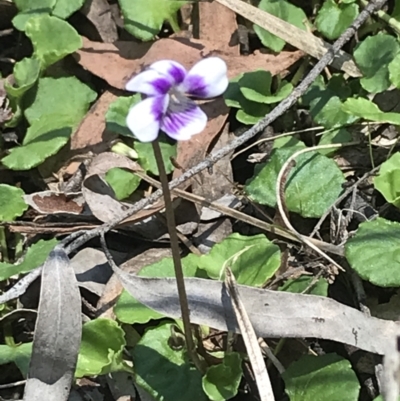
<point>167,107</point>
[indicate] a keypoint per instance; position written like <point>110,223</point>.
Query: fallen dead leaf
<point>217,24</point>
<point>117,62</point>
<point>51,202</point>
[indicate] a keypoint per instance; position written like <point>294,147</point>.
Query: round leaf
<point>65,8</point>
<point>312,186</point>
<point>388,180</point>
<point>29,9</point>
<point>253,260</point>
<point>373,56</point>
<point>48,46</point>
<point>325,377</point>
<point>144,18</point>
<point>334,18</point>
<point>164,371</point>
<point>12,203</point>
<point>285,11</point>
<point>221,382</point>
<point>101,349</point>
<point>123,182</point>
<point>373,252</point>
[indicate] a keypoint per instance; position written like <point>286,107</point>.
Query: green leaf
<point>55,109</point>
<point>373,252</point>
<point>12,203</point>
<point>20,355</point>
<point>300,284</point>
<point>164,371</point>
<point>144,18</point>
<point>388,180</point>
<point>221,382</point>
<point>44,138</point>
<point>146,156</point>
<point>253,260</point>
<point>129,310</point>
<point>334,18</point>
<point>394,71</point>
<point>34,257</point>
<point>251,113</point>
<point>256,87</point>
<point>101,350</point>
<point>369,111</point>
<point>65,8</point>
<point>312,185</point>
<point>123,182</point>
<point>340,135</point>
<point>59,96</point>
<point>233,95</point>
<point>373,56</point>
<point>117,112</point>
<point>325,102</point>
<point>26,73</point>
<point>29,9</point>
<point>285,11</point>
<point>48,46</point>
<point>325,377</point>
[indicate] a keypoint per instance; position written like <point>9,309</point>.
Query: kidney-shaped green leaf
<point>12,203</point>
<point>373,56</point>
<point>388,180</point>
<point>164,370</point>
<point>321,378</point>
<point>253,260</point>
<point>374,252</point>
<point>312,186</point>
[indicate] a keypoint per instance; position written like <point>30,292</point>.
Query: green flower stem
<point>169,212</point>
<point>392,22</point>
<point>3,245</point>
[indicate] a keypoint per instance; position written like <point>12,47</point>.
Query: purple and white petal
<point>149,82</point>
<point>170,69</point>
<point>144,119</point>
<point>206,79</point>
<point>182,125</point>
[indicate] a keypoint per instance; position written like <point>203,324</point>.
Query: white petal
<point>170,69</point>
<point>144,118</point>
<point>149,82</point>
<point>184,124</point>
<point>206,79</point>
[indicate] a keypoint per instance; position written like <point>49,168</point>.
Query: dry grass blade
<point>57,333</point>
<point>250,339</point>
<point>298,38</point>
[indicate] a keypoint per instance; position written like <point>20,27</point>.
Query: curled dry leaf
<point>117,62</point>
<point>57,333</point>
<point>100,197</point>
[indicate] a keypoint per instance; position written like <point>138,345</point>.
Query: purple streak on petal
<point>159,107</point>
<point>182,124</point>
<point>177,74</point>
<point>196,86</point>
<point>161,85</point>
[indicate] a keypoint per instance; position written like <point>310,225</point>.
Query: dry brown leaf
<point>100,197</point>
<point>116,63</point>
<point>98,12</point>
<point>51,202</point>
<point>217,24</point>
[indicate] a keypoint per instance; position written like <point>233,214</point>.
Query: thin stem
<point>169,212</point>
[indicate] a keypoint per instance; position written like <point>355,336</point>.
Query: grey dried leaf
<point>273,314</point>
<point>57,333</point>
